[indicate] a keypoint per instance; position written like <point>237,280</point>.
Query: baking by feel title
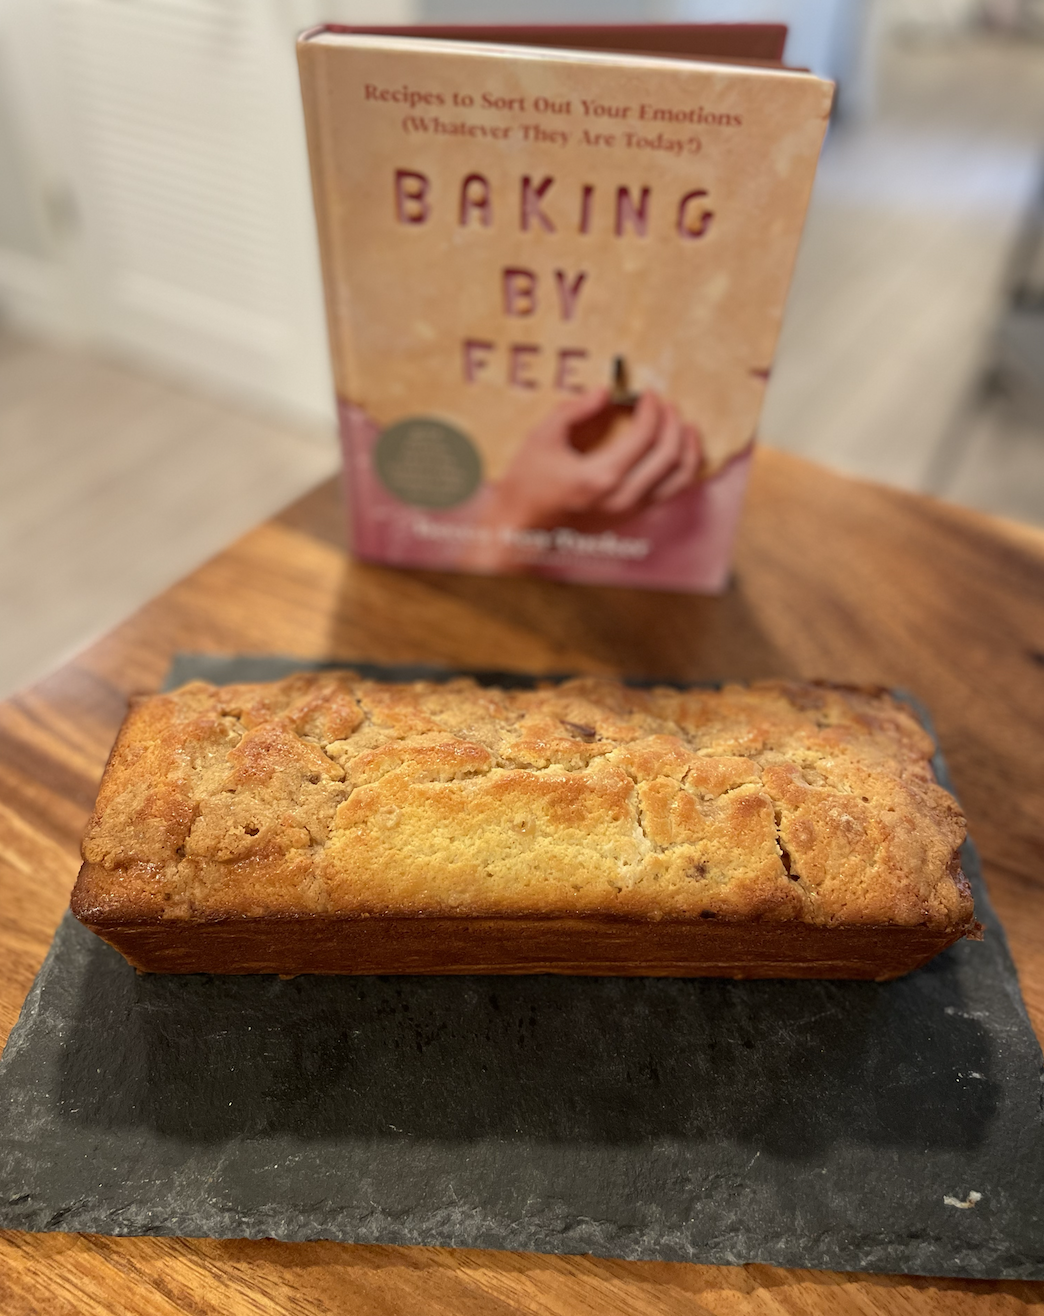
<point>542,205</point>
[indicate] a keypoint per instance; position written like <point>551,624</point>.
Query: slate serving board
<point>846,1125</point>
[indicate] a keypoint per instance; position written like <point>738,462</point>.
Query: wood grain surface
<point>834,579</point>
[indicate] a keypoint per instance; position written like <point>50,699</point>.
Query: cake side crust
<point>585,946</point>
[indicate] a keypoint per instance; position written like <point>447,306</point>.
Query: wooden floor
<point>116,483</point>
<point>901,277</point>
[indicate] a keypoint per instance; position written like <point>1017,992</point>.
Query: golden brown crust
<point>328,795</point>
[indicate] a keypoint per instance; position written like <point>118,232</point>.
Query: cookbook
<point>554,280</point>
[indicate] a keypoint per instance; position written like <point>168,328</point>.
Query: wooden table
<point>834,578</point>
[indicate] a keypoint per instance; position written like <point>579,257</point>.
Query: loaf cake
<point>330,824</point>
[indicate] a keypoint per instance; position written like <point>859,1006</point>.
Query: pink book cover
<point>554,283</point>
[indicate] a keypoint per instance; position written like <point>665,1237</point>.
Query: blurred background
<point>163,364</point>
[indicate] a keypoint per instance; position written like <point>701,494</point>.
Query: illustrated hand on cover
<point>594,461</point>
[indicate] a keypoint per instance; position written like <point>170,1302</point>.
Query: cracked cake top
<point>328,794</point>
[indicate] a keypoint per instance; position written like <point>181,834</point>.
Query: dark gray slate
<point>823,1124</point>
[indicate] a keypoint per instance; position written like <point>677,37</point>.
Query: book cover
<point>554,282</point>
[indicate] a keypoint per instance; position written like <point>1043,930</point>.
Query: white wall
<point>159,204</point>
